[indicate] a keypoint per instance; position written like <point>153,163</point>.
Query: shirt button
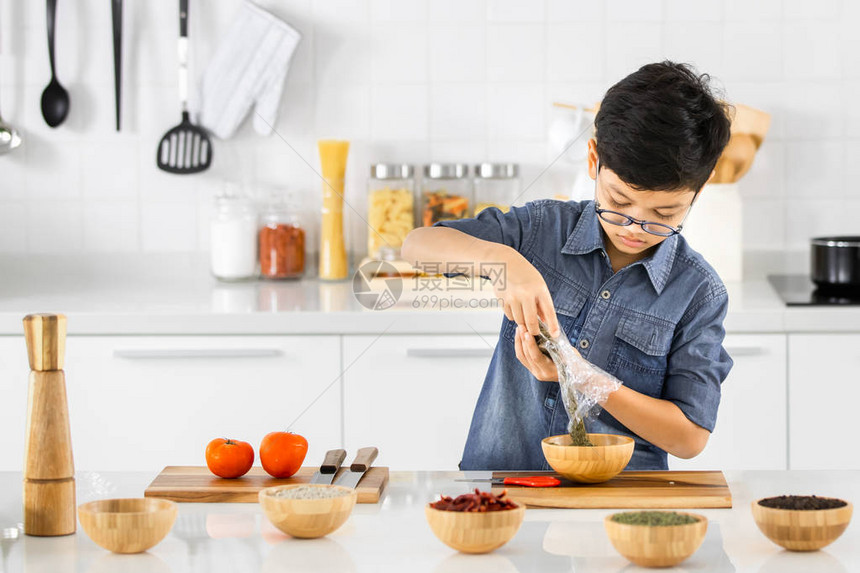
<point>605,295</point>
<point>583,343</point>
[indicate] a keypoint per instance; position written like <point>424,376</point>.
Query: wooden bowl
<point>602,462</point>
<point>802,530</point>
<point>475,532</point>
<point>307,518</point>
<point>656,545</point>
<point>127,525</point>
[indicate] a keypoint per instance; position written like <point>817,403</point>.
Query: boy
<point>633,298</point>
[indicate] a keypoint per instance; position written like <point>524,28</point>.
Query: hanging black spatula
<point>186,148</point>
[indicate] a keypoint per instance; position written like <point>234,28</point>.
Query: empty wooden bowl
<point>802,529</point>
<point>601,462</point>
<point>127,525</point>
<point>475,532</point>
<point>307,518</point>
<point>657,545</point>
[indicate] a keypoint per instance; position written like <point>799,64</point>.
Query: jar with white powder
<point>233,237</point>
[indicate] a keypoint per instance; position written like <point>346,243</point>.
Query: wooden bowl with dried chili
<point>476,522</point>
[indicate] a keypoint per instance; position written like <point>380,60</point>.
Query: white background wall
<point>412,80</point>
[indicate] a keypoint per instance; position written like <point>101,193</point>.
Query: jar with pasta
<point>282,241</point>
<point>390,208</point>
<point>496,185</point>
<point>446,193</point>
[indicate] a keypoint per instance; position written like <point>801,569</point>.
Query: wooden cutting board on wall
<point>629,490</point>
<point>197,484</point>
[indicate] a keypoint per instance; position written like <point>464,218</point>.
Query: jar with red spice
<point>282,242</point>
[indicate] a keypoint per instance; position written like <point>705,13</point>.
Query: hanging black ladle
<point>55,98</point>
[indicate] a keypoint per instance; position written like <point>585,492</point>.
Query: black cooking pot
<point>836,263</point>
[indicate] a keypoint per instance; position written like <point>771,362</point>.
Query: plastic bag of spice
<point>583,385</point>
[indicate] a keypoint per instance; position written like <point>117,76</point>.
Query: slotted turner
<point>186,148</point>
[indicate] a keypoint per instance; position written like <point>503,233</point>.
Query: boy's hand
<point>541,366</point>
<point>526,296</point>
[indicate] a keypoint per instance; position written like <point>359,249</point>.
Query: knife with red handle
<point>527,481</point>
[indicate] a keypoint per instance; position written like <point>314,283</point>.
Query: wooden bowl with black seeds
<point>802,522</point>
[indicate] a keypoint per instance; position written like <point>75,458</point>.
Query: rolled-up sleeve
<point>698,363</point>
<point>514,228</point>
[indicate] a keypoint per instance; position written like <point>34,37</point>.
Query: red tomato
<point>229,458</point>
<point>282,453</point>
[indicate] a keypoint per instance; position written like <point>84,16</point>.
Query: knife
<point>360,464</point>
<point>528,481</point>
<point>329,467</point>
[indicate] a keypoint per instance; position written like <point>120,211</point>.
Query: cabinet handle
<point>173,353</point>
<point>746,350</point>
<point>449,352</point>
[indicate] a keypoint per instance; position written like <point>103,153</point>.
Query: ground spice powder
<point>282,251</point>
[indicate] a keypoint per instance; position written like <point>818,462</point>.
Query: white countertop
<point>394,536</point>
<point>175,294</point>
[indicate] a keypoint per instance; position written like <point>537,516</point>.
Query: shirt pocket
<point>570,309</point>
<point>640,353</point>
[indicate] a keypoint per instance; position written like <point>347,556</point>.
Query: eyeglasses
<point>622,220</point>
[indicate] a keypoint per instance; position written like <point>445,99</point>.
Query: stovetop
<point>799,290</point>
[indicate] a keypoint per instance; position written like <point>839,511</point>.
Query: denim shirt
<point>656,325</point>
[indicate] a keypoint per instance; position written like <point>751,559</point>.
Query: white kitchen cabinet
<point>824,393</point>
<point>14,371</point>
<point>750,433</point>
<point>141,403</point>
<point>413,396</point>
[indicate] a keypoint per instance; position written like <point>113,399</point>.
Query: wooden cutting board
<point>197,484</point>
<point>629,489</point>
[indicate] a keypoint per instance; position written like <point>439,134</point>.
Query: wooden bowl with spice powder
<point>477,522</point>
<point>656,538</point>
<point>306,510</point>
<point>802,522</point>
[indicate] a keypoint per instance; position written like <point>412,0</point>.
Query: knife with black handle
<point>328,469</point>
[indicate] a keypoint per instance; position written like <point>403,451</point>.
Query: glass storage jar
<point>446,193</point>
<point>233,237</point>
<point>496,185</point>
<point>282,241</point>
<point>390,208</point>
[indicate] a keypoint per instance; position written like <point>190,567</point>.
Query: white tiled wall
<point>412,80</point>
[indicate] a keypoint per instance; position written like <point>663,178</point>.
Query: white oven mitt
<point>248,69</point>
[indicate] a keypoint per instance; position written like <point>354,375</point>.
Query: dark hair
<point>661,128</point>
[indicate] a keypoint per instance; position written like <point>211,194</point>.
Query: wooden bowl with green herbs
<point>656,538</point>
<point>802,523</point>
<point>588,464</point>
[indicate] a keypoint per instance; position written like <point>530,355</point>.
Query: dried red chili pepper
<point>480,501</point>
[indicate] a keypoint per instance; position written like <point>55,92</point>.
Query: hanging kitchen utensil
<point>186,148</point>
<point>55,98</point>
<point>116,12</point>
<point>9,137</point>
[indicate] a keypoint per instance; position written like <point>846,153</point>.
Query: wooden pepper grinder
<point>49,471</point>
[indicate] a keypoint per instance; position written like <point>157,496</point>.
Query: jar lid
<point>497,170</point>
<point>446,170</point>
<point>391,171</point>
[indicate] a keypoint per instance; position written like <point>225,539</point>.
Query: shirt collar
<point>587,236</point>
